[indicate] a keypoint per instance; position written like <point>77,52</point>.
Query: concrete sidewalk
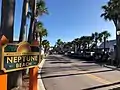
<point>40,83</point>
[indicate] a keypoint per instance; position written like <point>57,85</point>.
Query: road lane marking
<point>98,79</point>
<point>101,80</point>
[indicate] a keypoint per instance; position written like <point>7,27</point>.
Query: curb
<point>112,67</point>
<point>40,82</point>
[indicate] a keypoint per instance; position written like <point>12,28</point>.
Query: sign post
<point>3,76</point>
<point>33,80</point>
<point>3,81</point>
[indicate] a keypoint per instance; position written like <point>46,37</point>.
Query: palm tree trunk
<point>104,44</point>
<point>22,37</point>
<point>118,43</point>
<point>7,24</point>
<point>96,43</point>
<point>36,36</point>
<point>32,22</point>
<point>88,45</point>
<point>23,21</point>
<point>79,47</point>
<point>7,20</point>
<point>30,30</point>
<point>40,43</point>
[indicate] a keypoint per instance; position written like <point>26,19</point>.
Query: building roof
<point>109,44</point>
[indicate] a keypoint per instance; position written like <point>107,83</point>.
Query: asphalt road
<point>63,73</point>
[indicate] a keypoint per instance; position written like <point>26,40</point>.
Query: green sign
<point>19,56</point>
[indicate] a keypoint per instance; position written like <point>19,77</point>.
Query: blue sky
<point>69,19</point>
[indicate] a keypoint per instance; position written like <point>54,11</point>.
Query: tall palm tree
<point>23,20</point>
<point>112,13</point>
<point>32,4</point>
<point>96,37</point>
<point>41,31</point>
<point>59,42</point>
<point>88,40</point>
<point>74,45</point>
<point>60,45</point>
<point>39,26</point>
<point>67,46</point>
<point>77,43</point>
<point>105,35</point>
<point>85,42</point>
<point>38,8</point>
<point>7,18</point>
<point>46,45</point>
<point>23,31</point>
<point>7,25</point>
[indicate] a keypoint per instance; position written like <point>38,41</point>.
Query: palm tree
<point>41,31</point>
<point>39,26</point>
<point>7,18</point>
<point>46,45</point>
<point>96,37</point>
<point>32,4</point>
<point>83,42</point>
<point>23,30</point>
<point>67,46</point>
<point>23,20</point>
<point>74,45</point>
<point>59,42</point>
<point>112,13</point>
<point>60,45</point>
<point>105,35</point>
<point>38,8</point>
<point>79,43</point>
<point>7,25</point>
<point>89,40</point>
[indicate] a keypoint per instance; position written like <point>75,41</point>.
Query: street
<point>64,73</point>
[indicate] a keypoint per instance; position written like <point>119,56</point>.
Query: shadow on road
<point>57,60</point>
<point>69,68</point>
<point>96,62</point>
<point>102,86</point>
<point>65,62</point>
<point>66,75</point>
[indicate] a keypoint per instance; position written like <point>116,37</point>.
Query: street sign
<point>19,56</point>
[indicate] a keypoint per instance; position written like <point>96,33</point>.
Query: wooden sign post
<point>33,80</point>
<point>3,81</point>
<point>3,76</point>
